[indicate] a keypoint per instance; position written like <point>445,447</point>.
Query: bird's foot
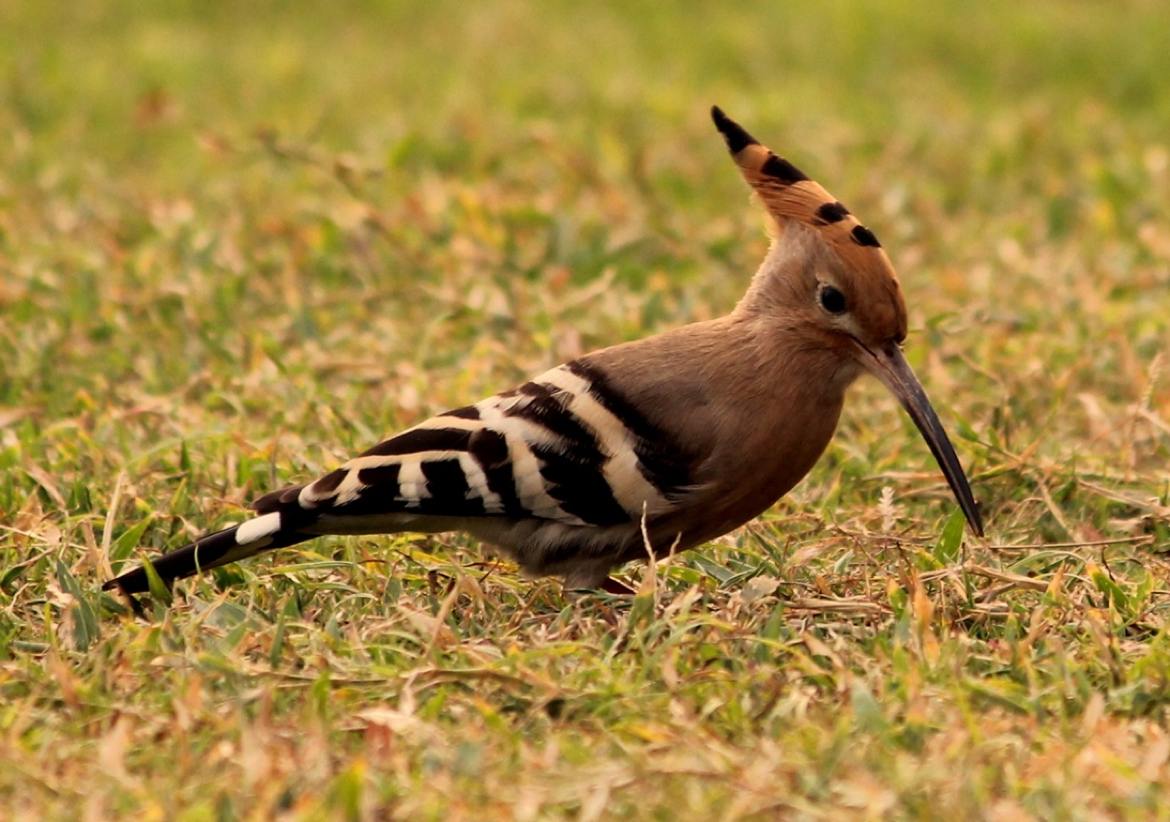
<point>613,586</point>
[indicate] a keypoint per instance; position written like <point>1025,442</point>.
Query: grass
<point>239,242</point>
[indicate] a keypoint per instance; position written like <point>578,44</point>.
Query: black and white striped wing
<point>565,447</point>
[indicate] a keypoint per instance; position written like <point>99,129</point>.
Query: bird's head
<point>829,280</point>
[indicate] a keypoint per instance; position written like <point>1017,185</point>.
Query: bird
<point>646,447</point>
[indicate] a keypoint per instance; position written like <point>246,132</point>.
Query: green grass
<point>239,243</point>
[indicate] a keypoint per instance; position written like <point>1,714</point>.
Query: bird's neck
<point>788,359</point>
<point>780,340</point>
<point>787,268</point>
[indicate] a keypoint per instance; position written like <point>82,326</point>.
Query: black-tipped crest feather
<point>733,133</point>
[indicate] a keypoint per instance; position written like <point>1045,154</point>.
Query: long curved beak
<point>889,366</point>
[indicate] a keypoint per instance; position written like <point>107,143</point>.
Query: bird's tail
<point>278,527</point>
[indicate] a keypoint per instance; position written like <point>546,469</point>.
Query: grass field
<point>240,242</point>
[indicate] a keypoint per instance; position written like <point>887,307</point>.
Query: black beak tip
<point>976,519</point>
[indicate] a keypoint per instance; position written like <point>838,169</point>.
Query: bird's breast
<point>763,455</point>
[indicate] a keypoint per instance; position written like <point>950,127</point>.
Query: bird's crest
<point>788,194</point>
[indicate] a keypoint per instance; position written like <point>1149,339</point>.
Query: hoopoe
<point>655,445</point>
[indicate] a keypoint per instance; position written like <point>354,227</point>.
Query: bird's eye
<point>832,300</point>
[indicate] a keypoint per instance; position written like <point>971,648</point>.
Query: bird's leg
<point>613,586</point>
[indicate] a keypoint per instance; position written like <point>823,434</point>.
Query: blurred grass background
<point>238,242</point>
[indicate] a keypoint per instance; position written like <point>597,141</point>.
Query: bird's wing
<point>566,447</point>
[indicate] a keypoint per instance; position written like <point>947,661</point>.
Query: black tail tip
<point>134,582</point>
<point>733,133</point>
<point>124,585</point>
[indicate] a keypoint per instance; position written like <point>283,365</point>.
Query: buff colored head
<point>846,297</point>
